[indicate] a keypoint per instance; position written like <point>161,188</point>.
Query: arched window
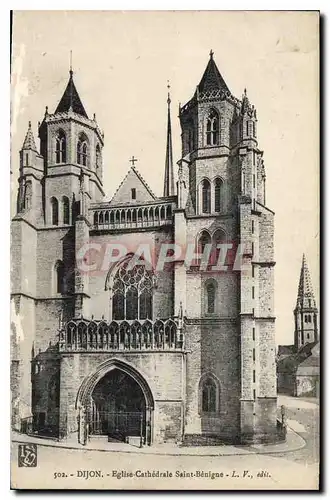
<point>146,304</point>
<point>206,196</point>
<point>59,277</point>
<point>28,195</point>
<point>54,211</point>
<point>218,238</point>
<point>82,150</point>
<point>66,210</point>
<point>132,293</point>
<point>212,128</point>
<point>204,239</point>
<point>209,394</point>
<point>210,297</point>
<point>118,304</point>
<point>217,195</point>
<point>98,160</point>
<point>132,299</point>
<point>60,147</point>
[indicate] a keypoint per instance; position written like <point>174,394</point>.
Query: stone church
<point>298,364</point>
<point>123,347</point>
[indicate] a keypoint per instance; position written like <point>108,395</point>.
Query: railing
<point>132,218</point>
<point>27,425</point>
<point>138,335</point>
<point>117,424</point>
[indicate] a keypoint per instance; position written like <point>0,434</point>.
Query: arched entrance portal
<point>118,407</point>
<point>117,402</point>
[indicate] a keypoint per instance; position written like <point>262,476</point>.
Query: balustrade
<point>92,335</point>
<point>125,218</point>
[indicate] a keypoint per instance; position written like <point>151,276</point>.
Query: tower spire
<point>305,296</point>
<point>29,142</point>
<point>169,177</point>
<point>305,312</point>
<point>70,99</point>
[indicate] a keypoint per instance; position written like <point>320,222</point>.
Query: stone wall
<point>163,372</point>
<point>213,348</point>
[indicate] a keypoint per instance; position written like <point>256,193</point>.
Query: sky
<point>122,62</point>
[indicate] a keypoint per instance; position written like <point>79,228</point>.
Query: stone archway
<point>116,401</point>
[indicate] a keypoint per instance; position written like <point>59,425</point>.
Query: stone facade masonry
<point>230,348</point>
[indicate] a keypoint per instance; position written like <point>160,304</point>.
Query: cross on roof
<point>133,160</point>
<point>211,54</point>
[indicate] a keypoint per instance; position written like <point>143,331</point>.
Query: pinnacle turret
<point>29,142</point>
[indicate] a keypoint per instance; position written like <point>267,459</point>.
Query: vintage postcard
<point>165,250</point>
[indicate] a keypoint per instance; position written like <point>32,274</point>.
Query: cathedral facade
<point>106,340</point>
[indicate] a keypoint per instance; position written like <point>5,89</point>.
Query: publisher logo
<point>27,455</point>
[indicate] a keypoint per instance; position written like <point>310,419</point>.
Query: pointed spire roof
<point>71,99</point>
<point>212,79</point>
<point>306,296</point>
<point>169,176</point>
<point>29,142</point>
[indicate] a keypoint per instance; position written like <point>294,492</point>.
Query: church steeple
<point>29,142</point>
<point>305,296</point>
<point>70,99</point>
<point>305,312</point>
<point>169,176</point>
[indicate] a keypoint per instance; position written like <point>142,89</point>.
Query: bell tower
<point>70,143</point>
<point>305,312</point>
<point>221,195</point>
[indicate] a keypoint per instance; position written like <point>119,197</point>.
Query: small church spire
<point>169,176</point>
<point>305,296</point>
<point>29,142</point>
<point>305,312</point>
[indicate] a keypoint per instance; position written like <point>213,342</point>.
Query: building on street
<point>126,347</point>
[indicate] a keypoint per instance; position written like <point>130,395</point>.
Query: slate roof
<point>305,296</point>
<point>285,350</point>
<point>212,78</point>
<point>310,366</point>
<point>71,99</point>
<point>29,142</point>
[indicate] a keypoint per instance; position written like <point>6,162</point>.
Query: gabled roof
<point>311,361</point>
<point>71,99</point>
<point>29,142</point>
<point>287,364</point>
<point>212,79</point>
<point>285,350</point>
<point>132,179</point>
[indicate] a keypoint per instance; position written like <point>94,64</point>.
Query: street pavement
<point>60,468</point>
<point>303,417</point>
